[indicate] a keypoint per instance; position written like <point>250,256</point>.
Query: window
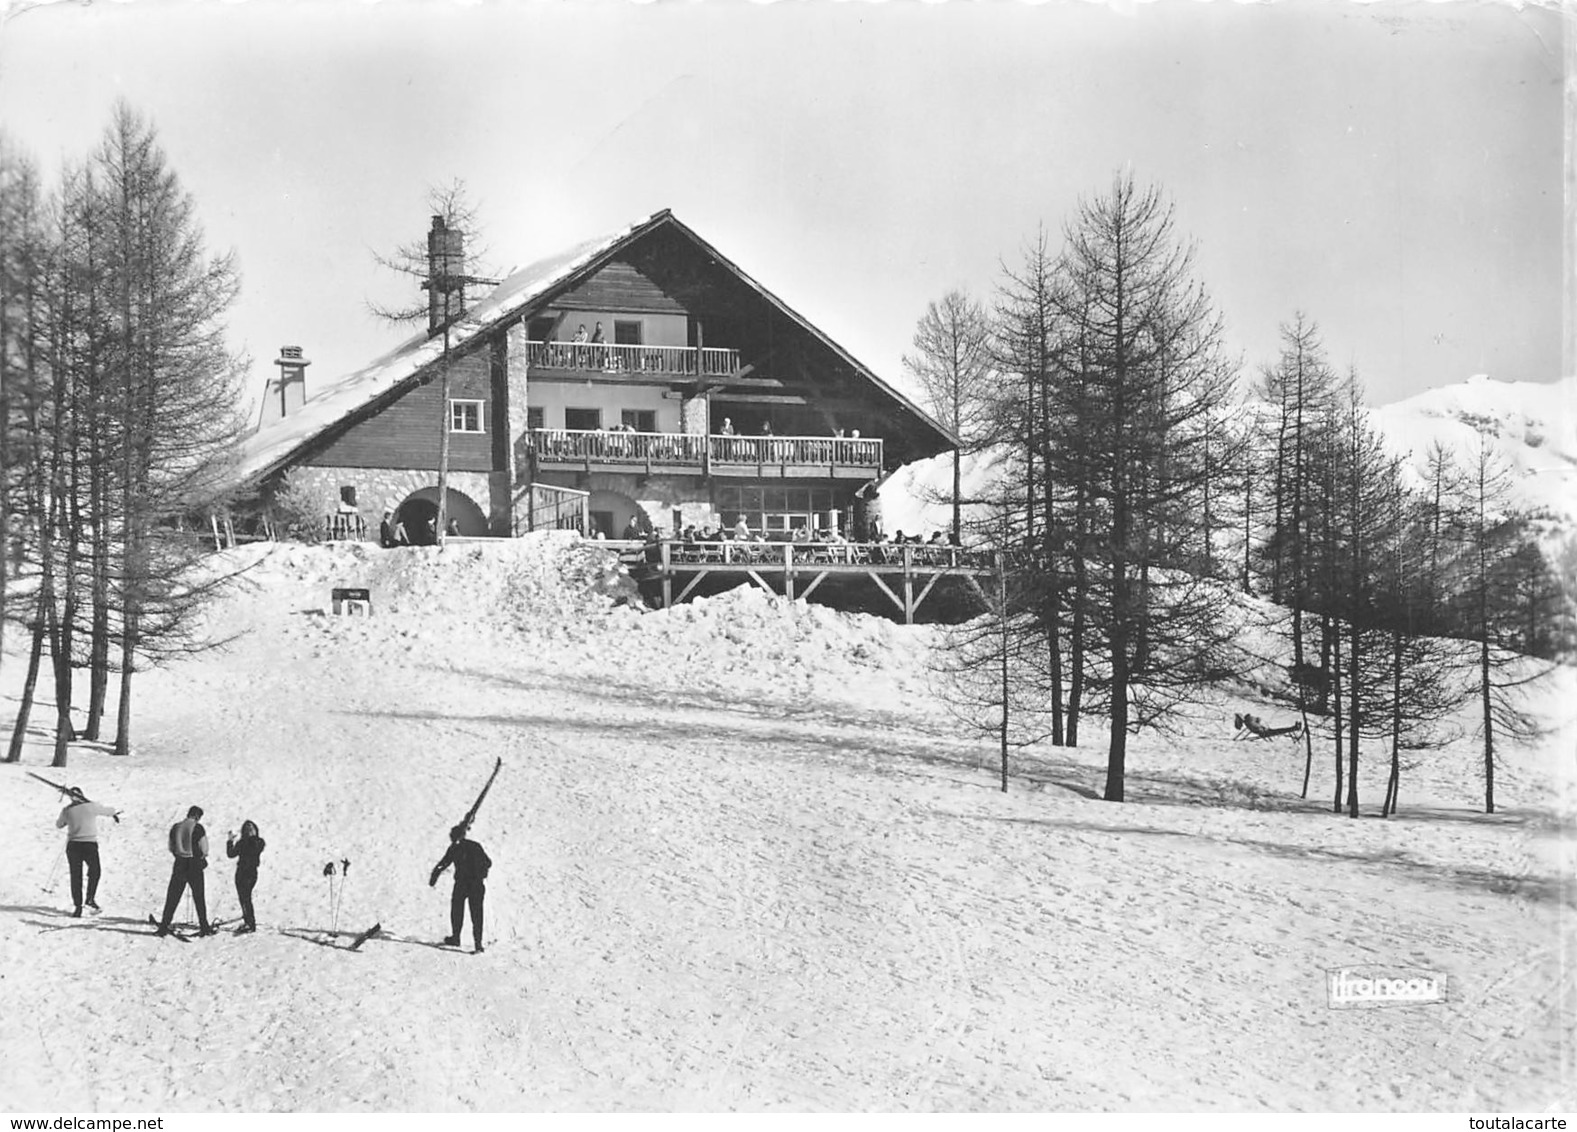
<point>641,420</point>
<point>626,333</point>
<point>534,417</point>
<point>779,509</point>
<point>347,495</point>
<point>586,420</point>
<point>465,416</point>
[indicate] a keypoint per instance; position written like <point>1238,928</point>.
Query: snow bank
<point>745,861</point>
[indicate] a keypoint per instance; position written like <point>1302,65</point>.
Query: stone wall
<point>377,488</point>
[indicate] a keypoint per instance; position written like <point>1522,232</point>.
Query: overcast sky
<point>1394,170</point>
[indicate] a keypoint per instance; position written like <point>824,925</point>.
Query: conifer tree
<point>1152,375</point>
<point>951,362</point>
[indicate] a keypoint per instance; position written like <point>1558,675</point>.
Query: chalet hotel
<point>641,375</point>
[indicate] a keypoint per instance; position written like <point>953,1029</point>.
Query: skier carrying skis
<point>80,820</point>
<point>189,847</point>
<point>470,863</point>
<point>248,849</point>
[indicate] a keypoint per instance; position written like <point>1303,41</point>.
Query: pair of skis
<point>186,937</point>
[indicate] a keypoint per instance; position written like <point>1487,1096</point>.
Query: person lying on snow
<point>1252,727</point>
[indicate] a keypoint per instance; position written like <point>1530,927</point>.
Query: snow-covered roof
<point>275,443</point>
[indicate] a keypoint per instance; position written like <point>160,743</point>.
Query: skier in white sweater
<point>80,820</point>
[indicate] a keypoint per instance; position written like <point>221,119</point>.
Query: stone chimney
<point>286,392</point>
<point>445,283</point>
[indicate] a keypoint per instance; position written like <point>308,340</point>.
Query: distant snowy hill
<point>1533,427</point>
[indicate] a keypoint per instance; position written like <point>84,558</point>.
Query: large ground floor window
<point>775,508</point>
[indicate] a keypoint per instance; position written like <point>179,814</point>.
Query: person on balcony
<point>742,530</point>
<point>580,344</point>
<point>601,357</point>
<point>728,427</point>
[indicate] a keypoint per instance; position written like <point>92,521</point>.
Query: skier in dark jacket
<point>248,849</point>
<point>189,847</point>
<point>470,875</point>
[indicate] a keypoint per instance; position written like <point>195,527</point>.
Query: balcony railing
<point>604,357</point>
<point>574,446</point>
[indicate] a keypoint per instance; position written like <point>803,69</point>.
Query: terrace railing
<point>605,357</point>
<point>750,553</point>
<point>576,446</point>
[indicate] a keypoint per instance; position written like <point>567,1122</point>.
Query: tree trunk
<point>1002,613</point>
<point>63,733</point>
<point>1336,693</point>
<point>128,652</point>
<point>24,708</point>
<point>1395,779</point>
<point>1308,746</point>
<point>958,489</point>
<point>443,437</point>
<point>99,651</point>
<point>1354,721</point>
<point>1117,753</point>
<point>1489,724</point>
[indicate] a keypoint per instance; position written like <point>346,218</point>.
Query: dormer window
<point>465,416</point>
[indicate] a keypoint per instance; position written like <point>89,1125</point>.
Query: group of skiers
<point>188,844</point>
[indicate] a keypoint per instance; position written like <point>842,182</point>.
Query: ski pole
<point>49,885</point>
<point>344,875</point>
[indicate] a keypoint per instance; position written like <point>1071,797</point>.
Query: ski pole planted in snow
<point>328,871</point>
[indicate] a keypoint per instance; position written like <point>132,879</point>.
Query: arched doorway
<point>419,513</point>
<point>611,512</point>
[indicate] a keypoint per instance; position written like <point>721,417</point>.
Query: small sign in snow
<point>351,599</point>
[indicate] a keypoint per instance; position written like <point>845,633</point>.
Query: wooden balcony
<point>657,361</point>
<point>753,457</point>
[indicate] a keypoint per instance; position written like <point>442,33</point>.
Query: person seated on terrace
<point>632,529</point>
<point>935,539</point>
<point>801,533</point>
